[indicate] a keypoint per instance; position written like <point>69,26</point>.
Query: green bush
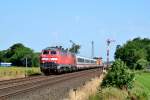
<point>141,64</point>
<point>118,76</point>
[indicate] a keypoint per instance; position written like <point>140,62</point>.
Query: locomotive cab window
<point>45,52</point>
<point>53,52</point>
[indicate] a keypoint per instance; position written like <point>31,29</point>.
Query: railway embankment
<point>48,87</point>
<point>85,91</point>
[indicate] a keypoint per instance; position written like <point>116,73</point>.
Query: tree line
<point>17,54</point>
<point>135,53</point>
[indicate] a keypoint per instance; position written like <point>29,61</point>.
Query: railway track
<point>11,81</point>
<point>14,87</point>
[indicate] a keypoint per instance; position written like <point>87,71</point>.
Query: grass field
<point>140,91</point>
<point>143,79</point>
<point>17,72</point>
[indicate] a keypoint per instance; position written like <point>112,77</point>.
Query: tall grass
<point>16,72</point>
<point>83,93</point>
<point>137,93</point>
<point>110,94</point>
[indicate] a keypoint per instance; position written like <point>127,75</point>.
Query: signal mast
<point>109,41</point>
<point>92,53</point>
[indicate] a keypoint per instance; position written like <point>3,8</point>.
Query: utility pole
<point>109,41</point>
<point>92,51</point>
<point>26,67</point>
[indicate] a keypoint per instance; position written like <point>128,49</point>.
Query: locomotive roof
<point>57,48</point>
<point>51,48</point>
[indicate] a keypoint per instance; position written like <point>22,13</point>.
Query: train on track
<point>58,60</point>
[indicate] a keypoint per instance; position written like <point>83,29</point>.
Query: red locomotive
<point>57,60</point>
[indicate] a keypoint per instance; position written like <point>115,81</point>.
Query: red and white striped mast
<point>109,41</point>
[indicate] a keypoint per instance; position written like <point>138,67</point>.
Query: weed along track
<point>15,87</point>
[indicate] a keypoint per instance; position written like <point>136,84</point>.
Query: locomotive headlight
<point>54,59</point>
<point>44,58</point>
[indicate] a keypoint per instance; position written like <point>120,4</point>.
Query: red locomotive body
<point>57,60</point>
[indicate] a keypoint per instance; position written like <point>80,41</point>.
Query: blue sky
<point>41,23</point>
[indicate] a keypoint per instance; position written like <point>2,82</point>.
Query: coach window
<point>92,61</point>
<point>87,61</point>
<point>53,52</point>
<point>80,60</point>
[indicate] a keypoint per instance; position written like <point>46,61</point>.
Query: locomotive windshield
<point>53,52</point>
<point>45,52</point>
